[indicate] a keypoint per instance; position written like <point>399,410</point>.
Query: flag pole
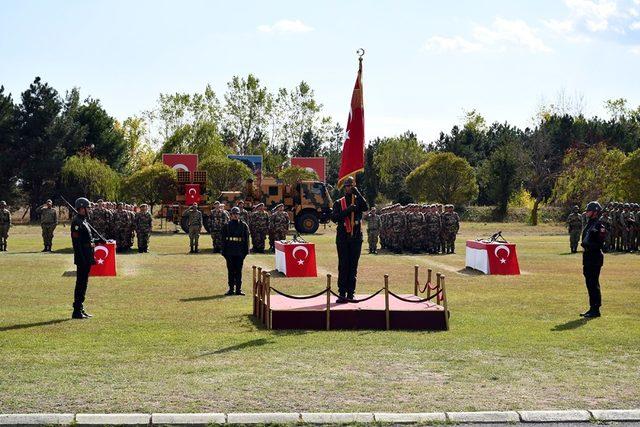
<point>360,53</point>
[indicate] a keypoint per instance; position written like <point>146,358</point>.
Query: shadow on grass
<point>253,343</point>
<point>568,253</point>
<point>32,325</point>
<point>470,272</point>
<point>571,324</point>
<point>63,251</point>
<point>205,298</point>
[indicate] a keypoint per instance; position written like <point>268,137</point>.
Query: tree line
<point>53,144</point>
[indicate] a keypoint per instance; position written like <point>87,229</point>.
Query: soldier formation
<point>413,228</point>
<point>121,222</point>
<point>620,219</point>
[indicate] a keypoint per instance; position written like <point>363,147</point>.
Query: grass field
<point>164,339</point>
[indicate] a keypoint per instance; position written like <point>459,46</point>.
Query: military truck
<point>308,203</point>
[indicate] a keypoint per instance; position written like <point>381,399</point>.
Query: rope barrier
<point>431,288</point>
<point>298,296</point>
<point>359,300</point>
<point>418,300</point>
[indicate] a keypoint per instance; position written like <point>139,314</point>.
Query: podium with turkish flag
<point>105,257</point>
<point>492,257</point>
<point>296,259</point>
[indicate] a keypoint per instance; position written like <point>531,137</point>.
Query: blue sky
<point>426,62</point>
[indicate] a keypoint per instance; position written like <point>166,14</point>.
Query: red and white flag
<point>105,256</point>
<point>353,146</point>
<point>191,193</point>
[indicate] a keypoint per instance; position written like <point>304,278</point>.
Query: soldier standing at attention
<point>5,225</point>
<point>574,225</point>
<point>120,227</point>
<point>281,223</point>
<point>194,222</point>
<point>244,214</point>
<point>605,219</point>
<point>373,230</point>
<point>259,227</point>
<point>593,238</point>
<point>83,244</point>
<point>348,237</point>
<point>48,222</point>
<point>143,224</point>
<point>235,247</point>
<point>219,217</point>
<point>451,225</point>
<point>627,221</point>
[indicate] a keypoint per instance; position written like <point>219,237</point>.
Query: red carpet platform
<point>381,310</point>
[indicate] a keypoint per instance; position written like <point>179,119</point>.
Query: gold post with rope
<point>259,292</point>
<point>416,283</point>
<point>445,305</point>
<point>328,302</point>
<point>268,300</point>
<point>386,301</point>
<point>253,283</point>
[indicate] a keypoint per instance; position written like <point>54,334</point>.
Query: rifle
<point>102,239</point>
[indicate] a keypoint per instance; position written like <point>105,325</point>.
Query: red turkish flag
<point>353,146</point>
<point>191,193</point>
<point>503,258</point>
<point>296,259</point>
<point>105,256</point>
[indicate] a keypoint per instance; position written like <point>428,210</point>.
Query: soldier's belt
<point>234,239</point>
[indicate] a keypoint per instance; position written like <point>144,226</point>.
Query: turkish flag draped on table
<point>492,257</point>
<point>353,146</point>
<point>191,193</point>
<point>105,256</point>
<point>296,259</point>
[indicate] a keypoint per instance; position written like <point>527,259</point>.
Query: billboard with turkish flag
<point>105,256</point>
<point>191,193</point>
<point>315,164</point>
<point>185,162</point>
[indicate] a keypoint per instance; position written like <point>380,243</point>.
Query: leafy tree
<point>371,175</point>
<point>308,146</point>
<point>224,174</point>
<point>500,175</point>
<point>395,158</point>
<point>153,184</point>
<point>293,174</point>
<point>445,178</point>
<point>630,176</point>
<point>139,151</point>
<point>246,112</point>
<point>333,152</point>
<point>592,173</point>
<point>84,176</point>
<point>8,138</point>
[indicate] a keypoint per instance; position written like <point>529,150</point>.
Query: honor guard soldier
<point>194,222</point>
<point>593,238</point>
<point>373,230</point>
<point>574,226</point>
<point>5,225</point>
<point>48,222</point>
<point>82,240</point>
<point>219,217</point>
<point>143,223</point>
<point>235,247</point>
<point>347,214</point>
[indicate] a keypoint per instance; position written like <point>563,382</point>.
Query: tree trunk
<point>534,212</point>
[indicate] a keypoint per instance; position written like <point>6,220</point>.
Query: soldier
<point>244,214</point>
<point>627,221</point>
<point>131,218</point>
<point>373,229</point>
<point>258,227</point>
<point>194,223</point>
<point>574,226</point>
<point>605,219</point>
<point>121,227</point>
<point>617,229</point>
<point>414,226</point>
<point>433,230</point>
<point>451,225</point>
<point>235,247</point>
<point>5,225</point>
<point>635,240</point>
<point>101,218</point>
<point>219,217</point>
<point>143,224</point>
<point>347,214</point>
<point>280,223</point>
<point>83,244</point>
<point>593,237</point>
<point>48,223</point>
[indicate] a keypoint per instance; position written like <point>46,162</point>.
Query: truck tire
<point>307,223</point>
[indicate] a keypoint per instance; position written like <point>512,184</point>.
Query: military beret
<point>235,210</point>
<point>259,205</point>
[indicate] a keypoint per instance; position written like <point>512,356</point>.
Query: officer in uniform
<point>48,222</point>
<point>593,238</point>
<point>194,222</point>
<point>5,225</point>
<point>235,247</point>
<point>83,243</point>
<point>143,223</point>
<point>373,230</point>
<point>574,226</point>
<point>347,214</point>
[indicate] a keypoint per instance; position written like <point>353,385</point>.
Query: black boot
<point>342,299</point>
<point>45,249</point>
<point>196,249</point>
<point>239,290</point>
<point>230,291</point>
<point>77,313</point>
<point>85,314</point>
<point>191,250</point>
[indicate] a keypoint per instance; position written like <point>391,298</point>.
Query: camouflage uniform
<point>258,227</point>
<point>398,230</point>
<point>143,223</point>
<point>414,226</point>
<point>194,222</point>
<point>627,221</point>
<point>617,228</point>
<point>605,219</point>
<point>433,231</point>
<point>219,217</point>
<point>450,225</point>
<point>5,225</point>
<point>121,227</point>
<point>101,218</point>
<point>48,223</point>
<point>373,230</point>
<point>574,226</point>
<point>280,224</point>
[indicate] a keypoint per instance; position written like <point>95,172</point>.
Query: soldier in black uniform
<point>83,244</point>
<point>593,238</point>
<point>235,247</point>
<point>348,237</point>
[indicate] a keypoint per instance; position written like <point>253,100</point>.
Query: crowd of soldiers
<point>120,222</point>
<point>413,228</point>
<point>621,220</point>
<point>262,224</point>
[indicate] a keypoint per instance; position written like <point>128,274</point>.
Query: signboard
<point>253,162</point>
<point>186,162</point>
<point>315,164</point>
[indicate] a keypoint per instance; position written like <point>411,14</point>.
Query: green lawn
<point>164,339</point>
